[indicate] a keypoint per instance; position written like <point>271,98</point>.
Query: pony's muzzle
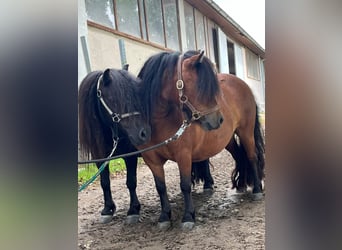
<point>212,121</point>
<point>144,134</point>
<point>141,136</point>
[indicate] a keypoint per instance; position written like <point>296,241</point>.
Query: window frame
<point>250,55</point>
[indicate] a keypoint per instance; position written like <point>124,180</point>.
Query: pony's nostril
<point>221,120</point>
<point>143,134</point>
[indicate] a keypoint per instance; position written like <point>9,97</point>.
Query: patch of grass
<point>85,172</point>
<point>262,119</point>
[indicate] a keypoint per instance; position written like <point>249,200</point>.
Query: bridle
<point>184,100</point>
<point>116,117</point>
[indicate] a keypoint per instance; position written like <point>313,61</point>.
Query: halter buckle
<point>183,99</point>
<point>180,84</point>
<point>116,117</point>
<point>196,115</point>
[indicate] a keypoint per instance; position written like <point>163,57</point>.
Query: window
<point>189,27</point>
<point>252,65</point>
<point>171,24</point>
<point>142,19</point>
<point>101,11</point>
<point>211,41</point>
<point>231,57</point>
<point>128,17</point>
<point>154,20</point>
<point>200,34</point>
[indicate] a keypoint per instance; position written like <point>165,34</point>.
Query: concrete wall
<point>105,53</point>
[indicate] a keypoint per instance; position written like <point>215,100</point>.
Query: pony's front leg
<point>109,206</point>
<point>188,220</point>
<point>164,221</point>
<point>131,183</point>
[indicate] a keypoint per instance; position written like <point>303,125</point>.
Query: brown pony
<point>184,89</point>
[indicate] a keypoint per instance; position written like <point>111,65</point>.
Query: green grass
<point>85,172</point>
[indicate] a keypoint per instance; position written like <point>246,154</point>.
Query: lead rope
<point>101,168</point>
<point>179,132</point>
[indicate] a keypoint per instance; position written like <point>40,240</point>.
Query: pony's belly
<point>212,143</point>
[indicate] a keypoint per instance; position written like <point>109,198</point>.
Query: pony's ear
<point>125,67</point>
<point>107,77</point>
<point>196,59</point>
<point>201,56</point>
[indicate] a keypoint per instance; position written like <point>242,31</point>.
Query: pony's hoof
<point>163,226</point>
<point>241,190</point>
<point>106,218</point>
<point>132,219</point>
<point>257,196</point>
<point>208,190</point>
<point>187,226</point>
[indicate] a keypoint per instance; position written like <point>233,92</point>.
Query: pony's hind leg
<point>109,206</point>
<point>208,179</point>
<point>131,182</point>
<point>200,171</point>
<point>238,176</point>
<point>253,175</point>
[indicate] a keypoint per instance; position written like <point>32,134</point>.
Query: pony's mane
<point>152,74</point>
<point>88,113</point>
<point>94,131</point>
<point>207,83</point>
<point>124,96</point>
<point>161,67</point>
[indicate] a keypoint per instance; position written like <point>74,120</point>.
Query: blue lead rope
<point>86,184</point>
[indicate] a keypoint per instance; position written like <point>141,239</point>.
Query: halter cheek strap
<point>116,117</point>
<point>184,100</point>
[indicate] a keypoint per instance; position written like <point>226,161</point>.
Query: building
<point>115,32</point>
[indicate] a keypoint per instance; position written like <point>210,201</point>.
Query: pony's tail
<point>240,171</point>
<point>242,165</point>
<point>259,146</point>
<point>260,152</point>
<point>200,172</point>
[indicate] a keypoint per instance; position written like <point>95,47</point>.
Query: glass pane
<point>128,17</point>
<point>171,24</point>
<point>200,31</point>
<point>142,19</point>
<point>154,21</point>
<point>211,40</point>
<point>101,11</point>
<point>252,65</point>
<point>189,27</point>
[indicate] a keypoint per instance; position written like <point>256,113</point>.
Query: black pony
<point>110,112</point>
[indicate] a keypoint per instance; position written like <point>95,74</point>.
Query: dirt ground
<point>224,219</point>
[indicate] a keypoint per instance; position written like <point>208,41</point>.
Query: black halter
<point>116,117</point>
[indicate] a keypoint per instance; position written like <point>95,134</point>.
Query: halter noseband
<point>116,117</point>
<point>184,100</point>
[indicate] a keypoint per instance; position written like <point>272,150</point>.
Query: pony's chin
<point>208,126</point>
<point>136,141</point>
